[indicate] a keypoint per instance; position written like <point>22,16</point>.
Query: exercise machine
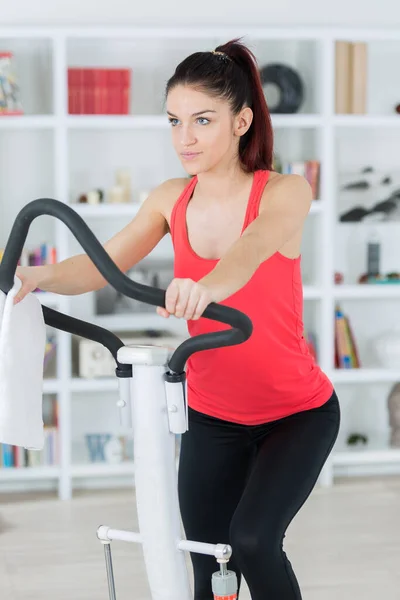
<point>152,403</point>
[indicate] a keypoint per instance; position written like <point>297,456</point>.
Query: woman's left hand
<point>186,299</point>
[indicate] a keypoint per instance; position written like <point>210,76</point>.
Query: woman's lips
<point>190,155</point>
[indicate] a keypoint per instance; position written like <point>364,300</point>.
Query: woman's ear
<point>243,121</point>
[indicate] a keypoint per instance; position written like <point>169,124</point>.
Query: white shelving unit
<point>61,153</point>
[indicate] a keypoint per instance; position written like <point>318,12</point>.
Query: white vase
<point>113,451</point>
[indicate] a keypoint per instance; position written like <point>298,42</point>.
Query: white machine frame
<point>156,410</point>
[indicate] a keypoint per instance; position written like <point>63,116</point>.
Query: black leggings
<point>243,485</point>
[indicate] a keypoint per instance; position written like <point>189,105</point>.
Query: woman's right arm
<point>79,275</point>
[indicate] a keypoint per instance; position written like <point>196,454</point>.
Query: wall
<point>175,12</point>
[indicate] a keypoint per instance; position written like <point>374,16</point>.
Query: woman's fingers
<point>186,299</point>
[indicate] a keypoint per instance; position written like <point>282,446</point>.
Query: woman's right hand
<point>30,278</point>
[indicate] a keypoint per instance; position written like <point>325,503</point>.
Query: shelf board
<point>312,292</point>
<point>338,376</point>
<point>161,121</point>
<point>118,122</point>
<point>366,120</point>
<point>102,469</point>
<point>106,210</point>
<point>367,456</point>
<point>366,375</point>
<point>376,451</point>
<point>99,384</point>
<point>23,473</point>
<point>28,122</point>
<point>130,209</point>
<point>133,321</point>
<point>296,120</point>
<point>364,290</point>
<point>50,386</point>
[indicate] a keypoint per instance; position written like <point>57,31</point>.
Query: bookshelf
<point>61,154</point>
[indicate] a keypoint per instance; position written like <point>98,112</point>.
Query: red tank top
<point>272,374</point>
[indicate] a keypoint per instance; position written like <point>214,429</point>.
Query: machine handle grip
<point>58,320</point>
<point>240,323</point>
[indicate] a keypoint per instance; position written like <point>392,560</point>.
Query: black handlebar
<point>240,323</point>
<point>89,331</point>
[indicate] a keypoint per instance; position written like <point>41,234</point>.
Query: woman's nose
<point>187,137</point>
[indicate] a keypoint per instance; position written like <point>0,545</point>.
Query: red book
<point>113,92</point>
<point>312,170</point>
<point>100,91</point>
<point>88,83</point>
<point>73,91</point>
<point>126,88</point>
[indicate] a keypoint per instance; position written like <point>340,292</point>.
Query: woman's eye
<point>200,120</point>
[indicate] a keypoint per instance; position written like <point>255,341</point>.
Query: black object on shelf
<point>362,184</point>
<point>356,438</point>
<point>358,213</point>
<point>290,86</point>
<point>354,215</point>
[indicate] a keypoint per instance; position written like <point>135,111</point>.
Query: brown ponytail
<point>231,72</point>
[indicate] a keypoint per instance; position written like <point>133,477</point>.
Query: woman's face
<point>203,129</point>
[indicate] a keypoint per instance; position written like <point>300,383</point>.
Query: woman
<point>263,417</point>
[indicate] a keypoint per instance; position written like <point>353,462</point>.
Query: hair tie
<point>223,55</point>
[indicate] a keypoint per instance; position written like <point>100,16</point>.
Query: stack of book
<point>45,254</point>
<point>19,457</point>
<point>310,169</point>
<point>346,353</point>
<point>351,77</point>
<point>98,91</point>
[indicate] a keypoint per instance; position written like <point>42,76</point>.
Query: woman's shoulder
<point>168,192</point>
<point>282,182</point>
<point>279,184</point>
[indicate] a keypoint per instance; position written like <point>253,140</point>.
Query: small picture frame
<point>10,98</point>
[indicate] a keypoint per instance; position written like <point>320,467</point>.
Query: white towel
<point>22,348</point>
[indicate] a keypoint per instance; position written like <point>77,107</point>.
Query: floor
<point>343,545</point>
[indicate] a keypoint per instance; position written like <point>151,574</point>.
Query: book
<point>309,169</point>
<point>19,457</point>
<point>358,81</point>
<point>342,77</point>
<point>45,254</point>
<point>346,352</point>
<point>351,70</point>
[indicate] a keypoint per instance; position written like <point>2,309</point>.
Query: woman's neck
<point>223,184</point>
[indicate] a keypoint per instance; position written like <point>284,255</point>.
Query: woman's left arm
<point>282,216</point>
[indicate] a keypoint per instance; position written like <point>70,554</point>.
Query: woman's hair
<point>230,72</point>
